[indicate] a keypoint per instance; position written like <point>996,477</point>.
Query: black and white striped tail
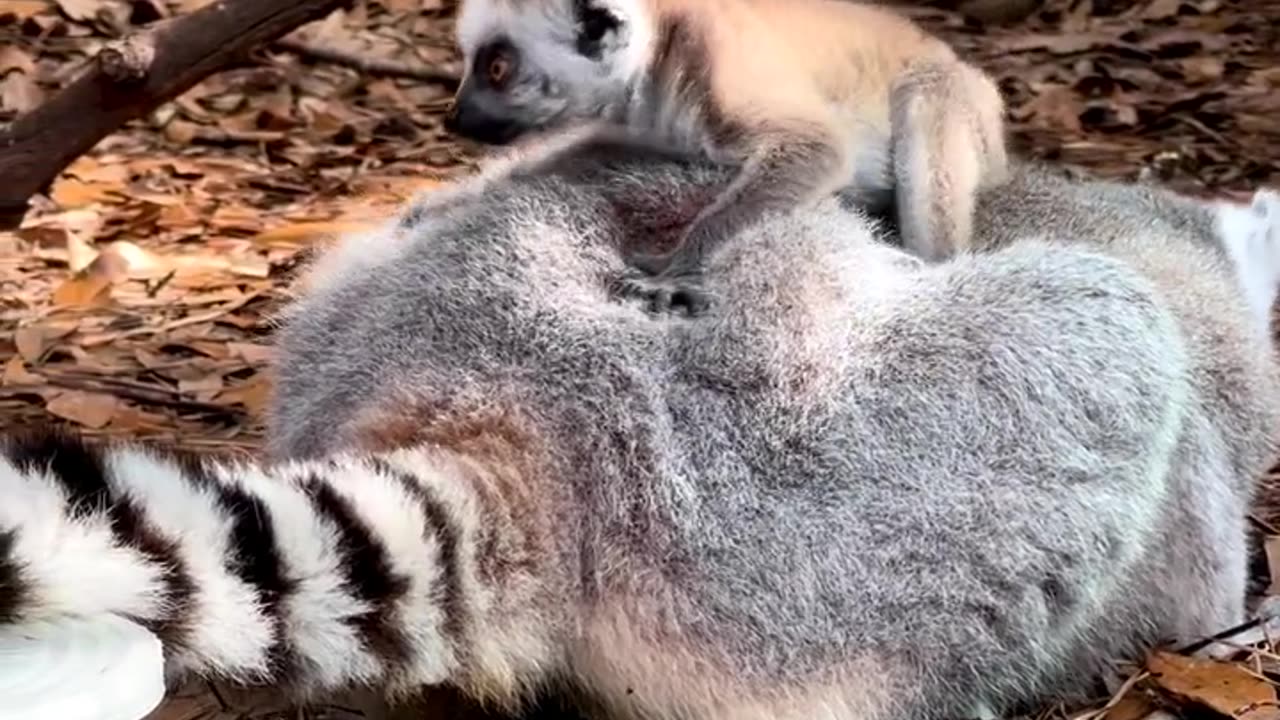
<point>326,574</point>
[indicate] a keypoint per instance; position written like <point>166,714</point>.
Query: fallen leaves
<point>16,373</point>
<point>1156,89</point>
<point>92,410</point>
<point>1224,688</point>
<point>30,342</point>
<point>157,322</point>
<point>1271,547</point>
<point>21,10</point>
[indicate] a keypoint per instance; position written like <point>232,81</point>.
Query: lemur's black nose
<point>471,120</point>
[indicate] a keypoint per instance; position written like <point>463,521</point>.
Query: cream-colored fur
<point>807,96</point>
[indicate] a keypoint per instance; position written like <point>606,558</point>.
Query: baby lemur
<point>804,96</point>
<point>859,487</point>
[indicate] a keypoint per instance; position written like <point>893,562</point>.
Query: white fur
<point>504,648</point>
<point>308,548</point>
<point>353,253</point>
<point>228,629</point>
<point>62,556</point>
<point>1251,236</point>
<point>532,25</point>
<point>413,550</point>
<point>639,17</point>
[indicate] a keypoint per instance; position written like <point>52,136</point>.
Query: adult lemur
<point>861,486</point>
<point>806,96</point>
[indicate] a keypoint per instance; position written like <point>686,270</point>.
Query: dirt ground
<point>137,299</point>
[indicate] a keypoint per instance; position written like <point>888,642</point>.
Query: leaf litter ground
<point>137,299</point>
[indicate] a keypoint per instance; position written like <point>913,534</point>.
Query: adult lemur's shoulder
<point>860,486</point>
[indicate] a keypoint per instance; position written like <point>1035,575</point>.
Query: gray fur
<point>952,486</point>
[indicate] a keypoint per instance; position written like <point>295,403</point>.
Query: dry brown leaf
<point>1202,69</point>
<point>1271,544</point>
<point>231,217</point>
<point>305,233</point>
<point>253,395</point>
<point>404,6</point>
<point>91,169</point>
<point>250,266</point>
<point>92,285</point>
<point>80,253</point>
<point>14,59</point>
<point>11,244</point>
<point>16,373</point>
<point>181,132</point>
<point>190,6</point>
<point>1057,107</point>
<point>22,9</point>
<point>1225,688</point>
<point>30,341</point>
<point>92,410</point>
<point>331,30</point>
<point>1058,43</point>
<point>84,289</point>
<point>1133,706</point>
<point>81,10</point>
<point>1161,9</point>
<point>211,383</point>
<point>387,90</point>
<point>397,189</point>
<point>129,419</point>
<point>19,93</point>
<point>252,353</point>
<point>70,192</point>
<point>83,221</point>
<point>137,262</point>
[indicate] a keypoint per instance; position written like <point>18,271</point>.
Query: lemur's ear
<point>595,22</point>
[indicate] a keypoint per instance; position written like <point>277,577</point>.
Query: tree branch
<point>126,80</point>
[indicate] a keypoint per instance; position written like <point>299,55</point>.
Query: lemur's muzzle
<point>472,118</point>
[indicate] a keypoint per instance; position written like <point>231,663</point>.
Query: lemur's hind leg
<point>1250,234</point>
<point>947,133</point>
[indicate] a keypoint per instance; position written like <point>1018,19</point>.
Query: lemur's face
<point>531,64</point>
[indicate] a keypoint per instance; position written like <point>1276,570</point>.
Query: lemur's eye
<point>593,24</point>
<point>498,70</point>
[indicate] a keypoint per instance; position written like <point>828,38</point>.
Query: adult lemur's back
<point>859,487</point>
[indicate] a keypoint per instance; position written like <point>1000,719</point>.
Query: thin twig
<point>1263,525</point>
<point>368,65</point>
<point>1255,651</point>
<point>1199,645</point>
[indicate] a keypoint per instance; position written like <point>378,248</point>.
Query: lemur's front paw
<point>684,283</point>
<point>664,296</point>
<point>689,300</point>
